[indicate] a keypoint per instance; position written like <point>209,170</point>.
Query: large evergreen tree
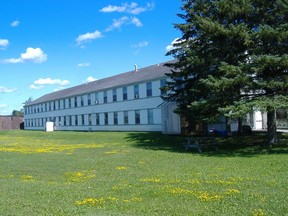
<point>232,57</point>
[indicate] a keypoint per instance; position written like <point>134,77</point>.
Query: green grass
<point>101,173</point>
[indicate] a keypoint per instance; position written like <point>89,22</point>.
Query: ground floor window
<point>137,117</point>
<point>126,119</point>
<point>106,118</point>
<point>115,118</point>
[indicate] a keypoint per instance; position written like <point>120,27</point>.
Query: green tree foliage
<point>232,57</point>
<point>17,113</point>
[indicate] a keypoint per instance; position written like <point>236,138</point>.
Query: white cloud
<point>40,83</point>
<point>85,64</point>
<point>90,79</point>
<point>35,55</point>
<point>117,23</point>
<point>7,90</point>
<point>15,23</point>
<point>141,44</point>
<point>88,37</point>
<point>132,8</point>
<point>136,22</point>
<point>49,81</point>
<point>32,86</point>
<point>173,44</point>
<point>59,88</point>
<point>3,43</point>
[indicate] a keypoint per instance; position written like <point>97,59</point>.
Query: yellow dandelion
<point>206,197</point>
<point>91,201</point>
<point>27,178</point>
<point>231,191</point>
<point>121,168</point>
<point>154,180</point>
<point>258,212</point>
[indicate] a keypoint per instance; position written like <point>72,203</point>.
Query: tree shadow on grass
<point>236,146</point>
<point>155,141</point>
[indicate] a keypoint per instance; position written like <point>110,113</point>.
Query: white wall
<point>142,104</point>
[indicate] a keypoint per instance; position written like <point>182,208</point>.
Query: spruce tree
<point>232,57</point>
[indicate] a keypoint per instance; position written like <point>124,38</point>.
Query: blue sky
<point>48,45</point>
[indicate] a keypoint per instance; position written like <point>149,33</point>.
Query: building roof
<point>136,76</point>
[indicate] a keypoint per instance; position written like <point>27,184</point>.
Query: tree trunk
<point>271,123</point>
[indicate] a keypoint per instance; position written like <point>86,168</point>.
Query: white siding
<point>37,115</point>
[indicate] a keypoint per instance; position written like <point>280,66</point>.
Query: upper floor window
<point>89,99</point>
<point>75,102</point>
<point>136,91</point>
<point>124,93</point>
<point>82,100</point>
<point>105,96</point>
<point>114,95</point>
<point>149,89</point>
<point>69,103</point>
<point>96,98</point>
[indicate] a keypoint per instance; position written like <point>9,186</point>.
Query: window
<point>136,91</point>
<point>70,120</point>
<point>149,89</point>
<point>65,122</point>
<point>96,98</point>
<point>90,119</point>
<point>150,116</point>
<point>83,119</point>
<point>82,100</point>
<point>126,119</point>
<point>105,97</point>
<point>76,120</point>
<point>97,119</point>
<point>75,102</point>
<point>69,103</point>
<point>106,118</point>
<point>55,122</point>
<point>115,118</point>
<point>162,85</point>
<point>89,99</point>
<point>114,95</point>
<point>124,93</point>
<point>137,117</point>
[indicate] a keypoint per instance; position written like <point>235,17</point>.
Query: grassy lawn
<point>101,173</point>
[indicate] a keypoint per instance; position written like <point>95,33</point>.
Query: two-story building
<point>125,102</point>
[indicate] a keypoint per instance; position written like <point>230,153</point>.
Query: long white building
<point>125,102</point>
